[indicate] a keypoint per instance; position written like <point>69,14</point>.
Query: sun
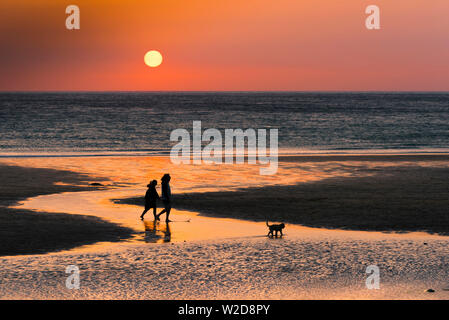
<point>153,58</point>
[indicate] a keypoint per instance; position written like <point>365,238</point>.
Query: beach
<point>27,232</point>
<point>305,267</point>
<point>343,214</point>
<point>397,198</point>
<point>224,150</point>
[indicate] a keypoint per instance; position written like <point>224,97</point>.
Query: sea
<point>140,123</point>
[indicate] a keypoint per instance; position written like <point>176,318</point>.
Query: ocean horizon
<point>139,123</point>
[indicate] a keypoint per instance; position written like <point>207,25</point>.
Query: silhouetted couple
<point>152,196</point>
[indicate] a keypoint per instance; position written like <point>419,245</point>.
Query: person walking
<point>166,196</point>
<point>151,197</point>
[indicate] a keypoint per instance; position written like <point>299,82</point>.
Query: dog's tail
<point>267,224</point>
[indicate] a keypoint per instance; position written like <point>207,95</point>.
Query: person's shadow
<point>157,232</point>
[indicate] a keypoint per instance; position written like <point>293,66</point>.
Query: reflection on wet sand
<point>157,231</point>
<point>190,178</point>
<point>221,257</point>
<point>132,172</point>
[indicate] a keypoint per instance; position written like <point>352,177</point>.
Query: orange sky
<point>225,45</point>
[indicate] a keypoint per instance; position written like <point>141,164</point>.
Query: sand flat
<point>234,261</point>
<point>25,232</point>
<point>330,267</point>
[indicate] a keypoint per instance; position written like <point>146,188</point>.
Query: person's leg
<point>161,213</point>
<point>143,213</point>
<point>168,209</point>
<point>154,213</point>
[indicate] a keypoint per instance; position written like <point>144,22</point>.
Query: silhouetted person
<point>151,197</point>
<point>166,196</point>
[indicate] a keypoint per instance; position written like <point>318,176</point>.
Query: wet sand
<point>224,258</point>
<point>397,198</point>
<point>27,232</point>
<point>330,265</point>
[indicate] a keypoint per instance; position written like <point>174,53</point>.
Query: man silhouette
<point>166,196</point>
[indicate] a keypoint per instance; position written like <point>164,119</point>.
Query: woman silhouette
<point>151,197</point>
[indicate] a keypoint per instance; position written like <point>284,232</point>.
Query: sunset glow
<point>225,45</point>
<point>213,159</point>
